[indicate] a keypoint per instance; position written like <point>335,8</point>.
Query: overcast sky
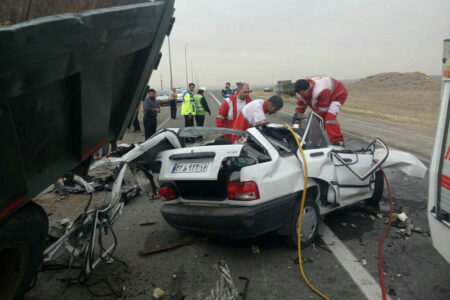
<point>252,40</point>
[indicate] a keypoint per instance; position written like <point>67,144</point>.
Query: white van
<point>439,186</point>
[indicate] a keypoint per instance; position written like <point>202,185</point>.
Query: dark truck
<point>285,87</point>
<point>70,82</point>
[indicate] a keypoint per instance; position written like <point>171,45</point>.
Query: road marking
<point>286,113</point>
<point>360,276</point>
<point>163,123</point>
<point>218,102</point>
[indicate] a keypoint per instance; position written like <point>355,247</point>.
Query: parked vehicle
<point>163,98</point>
<point>180,93</point>
<point>268,89</point>
<point>59,104</point>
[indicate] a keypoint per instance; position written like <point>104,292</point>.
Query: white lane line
<point>218,102</point>
<point>360,276</point>
<point>163,123</point>
<point>286,113</point>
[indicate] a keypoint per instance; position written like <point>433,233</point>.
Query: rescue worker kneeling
<point>254,113</point>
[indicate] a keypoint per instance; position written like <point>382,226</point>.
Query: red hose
<point>380,244</point>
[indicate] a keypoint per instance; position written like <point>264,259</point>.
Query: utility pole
<point>272,80</point>
<point>185,60</point>
<point>161,83</point>
<point>170,63</point>
<point>192,70</point>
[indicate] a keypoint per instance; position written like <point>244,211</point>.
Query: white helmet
<point>202,88</point>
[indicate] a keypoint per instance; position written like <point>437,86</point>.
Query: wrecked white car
<point>253,186</point>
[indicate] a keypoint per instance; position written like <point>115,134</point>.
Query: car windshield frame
<point>314,136</point>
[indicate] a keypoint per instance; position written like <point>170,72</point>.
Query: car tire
<point>378,190</point>
<point>22,241</point>
<point>310,225</point>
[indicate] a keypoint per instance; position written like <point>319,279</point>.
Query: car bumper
<point>232,221</point>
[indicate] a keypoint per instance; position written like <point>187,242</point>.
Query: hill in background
<point>411,97</point>
<point>394,80</point>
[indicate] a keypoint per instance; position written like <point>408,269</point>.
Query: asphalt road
<point>413,269</point>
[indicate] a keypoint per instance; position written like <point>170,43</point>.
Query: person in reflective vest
<point>325,96</point>
<point>201,107</point>
<point>188,106</point>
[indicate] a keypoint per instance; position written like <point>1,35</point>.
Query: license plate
<point>190,168</point>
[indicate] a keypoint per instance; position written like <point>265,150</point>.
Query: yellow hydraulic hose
<point>299,228</point>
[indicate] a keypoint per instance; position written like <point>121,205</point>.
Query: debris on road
<point>224,288</point>
<point>392,292</point>
<point>344,224</point>
<point>130,194</point>
<point>148,222</point>
<point>175,245</point>
<point>321,246</point>
<point>243,294</point>
<point>255,249</point>
<point>158,293</point>
<point>402,217</point>
<point>372,217</point>
<point>364,262</point>
<point>408,227</point>
<point>417,229</point>
<point>353,225</point>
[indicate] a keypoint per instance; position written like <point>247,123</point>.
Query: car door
<point>317,148</point>
<point>352,188</point>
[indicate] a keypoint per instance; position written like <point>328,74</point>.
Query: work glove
<point>296,118</point>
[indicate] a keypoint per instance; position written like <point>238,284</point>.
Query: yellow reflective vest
<point>188,105</point>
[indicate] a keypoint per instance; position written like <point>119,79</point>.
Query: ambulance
<point>439,185</point>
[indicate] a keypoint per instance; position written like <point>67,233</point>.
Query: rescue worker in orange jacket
<point>325,96</point>
<point>231,107</point>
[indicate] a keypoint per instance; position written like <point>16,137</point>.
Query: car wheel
<point>378,190</point>
<point>310,224</point>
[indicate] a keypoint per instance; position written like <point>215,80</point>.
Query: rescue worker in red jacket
<point>231,107</point>
<point>255,112</point>
<point>325,96</point>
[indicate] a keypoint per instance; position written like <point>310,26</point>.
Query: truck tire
<point>22,242</point>
<point>378,190</point>
<point>310,225</point>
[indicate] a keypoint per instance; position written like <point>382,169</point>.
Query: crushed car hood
<point>402,161</point>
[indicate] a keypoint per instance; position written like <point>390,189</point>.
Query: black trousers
<point>200,120</point>
<point>188,122</point>
<point>173,109</point>
<point>149,125</point>
<point>136,124</point>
